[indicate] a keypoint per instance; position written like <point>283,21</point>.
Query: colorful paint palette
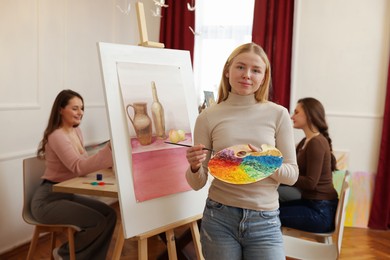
<point>240,165</point>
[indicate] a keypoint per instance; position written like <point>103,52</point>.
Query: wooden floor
<point>358,243</point>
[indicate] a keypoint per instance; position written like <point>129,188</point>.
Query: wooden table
<point>82,185</point>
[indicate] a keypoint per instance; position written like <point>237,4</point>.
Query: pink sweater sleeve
<point>64,162</point>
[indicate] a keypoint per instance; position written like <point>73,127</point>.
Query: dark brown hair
<point>315,114</point>
<point>54,122</point>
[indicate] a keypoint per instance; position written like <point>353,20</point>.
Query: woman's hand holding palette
<point>240,165</point>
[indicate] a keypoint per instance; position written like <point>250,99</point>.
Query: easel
<point>143,33</point>
<point>192,222</point>
<point>142,239</point>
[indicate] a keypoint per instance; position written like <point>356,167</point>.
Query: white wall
<point>47,46</point>
<point>341,55</point>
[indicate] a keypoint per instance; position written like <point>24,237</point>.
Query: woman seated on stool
<point>65,157</point>
<point>315,210</point>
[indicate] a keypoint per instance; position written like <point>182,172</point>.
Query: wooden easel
<point>142,239</point>
<point>192,222</point>
<point>143,33</point>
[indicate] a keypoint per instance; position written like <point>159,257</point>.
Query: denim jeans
<point>309,215</point>
<point>234,233</point>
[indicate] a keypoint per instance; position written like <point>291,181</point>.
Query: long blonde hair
<point>261,94</point>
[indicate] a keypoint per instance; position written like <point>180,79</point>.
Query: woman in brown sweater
<point>315,211</point>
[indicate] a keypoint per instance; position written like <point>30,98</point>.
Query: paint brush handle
<point>186,145</point>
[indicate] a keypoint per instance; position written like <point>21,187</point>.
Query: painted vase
<point>141,122</point>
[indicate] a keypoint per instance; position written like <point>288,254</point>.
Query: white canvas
<point>138,218</point>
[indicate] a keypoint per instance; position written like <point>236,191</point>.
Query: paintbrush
<point>186,145</point>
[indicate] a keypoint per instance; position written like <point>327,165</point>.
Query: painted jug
<point>141,122</point>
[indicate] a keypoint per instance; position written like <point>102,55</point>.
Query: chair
<point>320,237</point>
<point>301,248</point>
<point>33,169</point>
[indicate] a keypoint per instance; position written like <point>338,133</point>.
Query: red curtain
<point>273,30</point>
<point>380,209</point>
<point>174,28</point>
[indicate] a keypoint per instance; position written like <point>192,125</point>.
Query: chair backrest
<point>341,211</point>
<point>33,169</point>
<point>346,179</point>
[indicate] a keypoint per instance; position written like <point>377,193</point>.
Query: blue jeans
<point>309,215</point>
<point>235,233</point>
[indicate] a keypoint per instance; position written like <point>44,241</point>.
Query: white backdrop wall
<point>47,46</point>
<point>341,55</point>
<point>341,51</point>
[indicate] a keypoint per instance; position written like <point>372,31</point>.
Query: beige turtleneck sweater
<point>243,120</point>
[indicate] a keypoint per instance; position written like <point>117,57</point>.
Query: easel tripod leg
<point>196,239</point>
<point>142,249</point>
<point>120,240</point>
<point>170,235</point>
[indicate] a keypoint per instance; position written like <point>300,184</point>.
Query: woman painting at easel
<point>242,221</point>
<point>66,158</point>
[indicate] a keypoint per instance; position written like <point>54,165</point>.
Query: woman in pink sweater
<point>63,150</point>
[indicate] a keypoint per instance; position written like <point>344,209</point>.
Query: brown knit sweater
<point>315,174</point>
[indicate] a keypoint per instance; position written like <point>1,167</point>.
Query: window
<point>221,25</point>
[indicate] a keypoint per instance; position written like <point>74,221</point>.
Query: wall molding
<point>12,107</point>
<point>95,105</point>
<point>354,115</point>
<point>17,155</point>
<point>90,145</point>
